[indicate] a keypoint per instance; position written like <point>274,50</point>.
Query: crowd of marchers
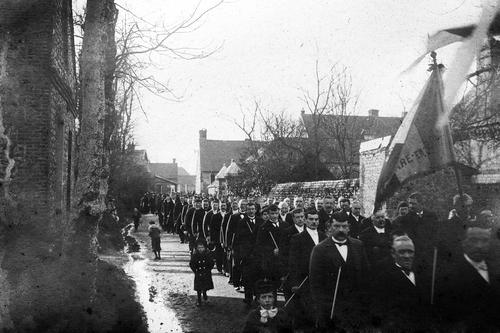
<point>340,271</point>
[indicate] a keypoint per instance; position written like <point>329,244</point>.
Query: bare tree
<point>326,136</point>
<point>341,127</point>
<point>475,120</point>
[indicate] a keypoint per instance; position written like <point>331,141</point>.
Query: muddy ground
<point>165,289</point>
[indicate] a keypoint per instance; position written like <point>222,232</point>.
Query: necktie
<point>406,271</point>
<point>481,266</point>
<point>265,314</point>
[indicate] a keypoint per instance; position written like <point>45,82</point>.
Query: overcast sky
<point>268,50</point>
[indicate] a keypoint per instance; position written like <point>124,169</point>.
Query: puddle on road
<point>160,317</point>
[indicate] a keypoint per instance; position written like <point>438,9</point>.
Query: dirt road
<point>165,289</point>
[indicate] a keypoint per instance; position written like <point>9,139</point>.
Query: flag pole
<point>458,178</point>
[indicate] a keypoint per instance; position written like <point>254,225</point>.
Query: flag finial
<point>434,65</point>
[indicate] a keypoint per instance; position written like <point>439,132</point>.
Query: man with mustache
<point>339,252</point>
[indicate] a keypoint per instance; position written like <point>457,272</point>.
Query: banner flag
<point>419,146</point>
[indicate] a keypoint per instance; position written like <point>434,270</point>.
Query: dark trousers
<point>236,272</point>
<point>226,261</point>
<point>219,256</point>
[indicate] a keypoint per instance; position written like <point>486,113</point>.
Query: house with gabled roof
<point>341,136</point>
<point>186,182</point>
<point>212,155</point>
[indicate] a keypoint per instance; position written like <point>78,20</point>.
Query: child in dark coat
<point>137,218</point>
<point>267,318</point>
<point>154,233</point>
<point>202,263</point>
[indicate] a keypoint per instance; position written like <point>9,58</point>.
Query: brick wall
<point>38,102</point>
<point>37,119</point>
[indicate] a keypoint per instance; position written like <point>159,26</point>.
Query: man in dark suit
<point>232,225</point>
<point>298,202</point>
<point>180,219</point>
<point>344,254</point>
<point>355,220</point>
<point>469,292</point>
<point>326,212</point>
<point>205,226</point>
<point>422,227</point>
<point>451,233</point>
<point>401,297</point>
<point>289,231</point>
<point>215,232</point>
<point>351,214</point>
<point>377,239</point>
<point>245,252</point>
<point>225,230</point>
<point>269,247</point>
<point>300,249</point>
<point>297,227</point>
<point>194,218</point>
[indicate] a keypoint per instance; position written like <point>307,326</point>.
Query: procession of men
<point>339,271</point>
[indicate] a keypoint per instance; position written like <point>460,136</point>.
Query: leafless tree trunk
<point>91,183</point>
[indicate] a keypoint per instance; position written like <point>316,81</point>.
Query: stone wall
<point>438,188</point>
<point>371,161</point>
<point>348,188</point>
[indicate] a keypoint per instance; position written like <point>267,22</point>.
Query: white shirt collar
<point>410,276</point>
<point>299,229</point>
<point>338,241</point>
<point>314,235</point>
<point>480,267</point>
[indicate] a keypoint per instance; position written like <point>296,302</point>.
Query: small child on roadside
<point>137,218</point>
<point>154,233</point>
<point>202,263</point>
<point>267,317</point>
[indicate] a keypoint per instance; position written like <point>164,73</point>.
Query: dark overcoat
<point>323,271</point>
<point>268,238</point>
<point>201,264</point>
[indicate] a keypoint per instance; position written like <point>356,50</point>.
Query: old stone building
<point>37,137</point>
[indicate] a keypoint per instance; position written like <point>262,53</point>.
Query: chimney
<point>203,134</point>
<point>373,113</point>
